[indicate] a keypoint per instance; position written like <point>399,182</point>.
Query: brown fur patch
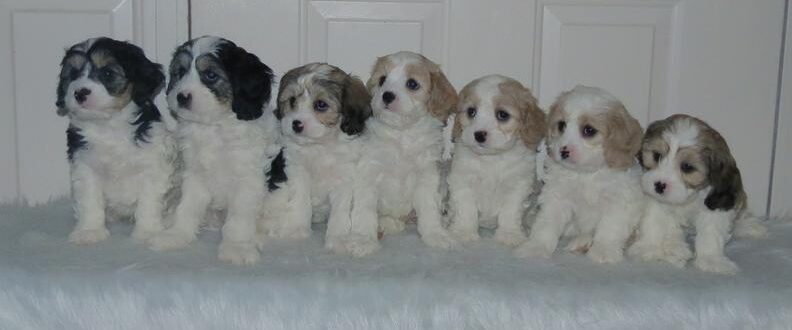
<point>622,139</point>
<point>467,98</point>
<point>531,119</point>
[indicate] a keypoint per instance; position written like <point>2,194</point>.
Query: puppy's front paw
<point>440,239</point>
<point>510,237</point>
<point>390,225</point>
<point>716,264</point>
<point>580,244</point>
<point>170,240</point>
<point>677,253</point>
<point>533,250</point>
<point>238,253</point>
<point>335,244</point>
<point>89,236</point>
<point>360,245</point>
<point>605,254</point>
<point>646,251</point>
<point>465,235</point>
<point>142,234</point>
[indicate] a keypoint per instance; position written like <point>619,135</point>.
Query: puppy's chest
<point>111,151</point>
<point>222,158</point>
<point>327,167</point>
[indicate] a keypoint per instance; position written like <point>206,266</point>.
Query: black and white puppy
<point>218,92</point>
<point>322,111</point>
<point>693,180</point>
<point>120,154</point>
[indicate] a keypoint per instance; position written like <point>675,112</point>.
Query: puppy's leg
<point>660,237</point>
<point>389,225</point>
<point>339,224</point>
<point>611,234</point>
<point>238,245</point>
<point>426,202</point>
<point>510,231</point>
<point>465,222</point>
<point>150,205</point>
<point>189,213</point>
<point>713,230</point>
<point>749,226</point>
<point>89,206</point>
<point>296,210</point>
<point>550,223</point>
<point>363,221</point>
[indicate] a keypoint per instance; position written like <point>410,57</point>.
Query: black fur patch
<point>144,120</point>
<point>250,79</point>
<point>74,141</point>
<point>277,172</point>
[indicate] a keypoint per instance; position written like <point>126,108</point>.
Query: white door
<point>711,58</point>
<point>33,37</point>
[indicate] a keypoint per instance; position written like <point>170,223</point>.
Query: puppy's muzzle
<point>81,95</point>
<point>184,100</point>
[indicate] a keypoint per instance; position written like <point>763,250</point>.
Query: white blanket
<point>48,283</point>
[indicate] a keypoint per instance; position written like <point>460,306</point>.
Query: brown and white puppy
<point>592,186</point>
<point>692,179</point>
<point>497,129</point>
<point>322,111</point>
<point>398,175</point>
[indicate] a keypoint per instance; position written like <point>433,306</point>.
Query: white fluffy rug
<point>47,283</point>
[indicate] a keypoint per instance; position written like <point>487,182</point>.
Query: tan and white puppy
<point>322,111</point>
<point>497,129</point>
<point>592,186</point>
<point>398,176</point>
<point>693,180</point>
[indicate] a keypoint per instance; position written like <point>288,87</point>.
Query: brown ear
<point>532,119</point>
<point>623,140</point>
<point>457,130</point>
<point>376,72</point>
<point>443,97</point>
<point>356,108</point>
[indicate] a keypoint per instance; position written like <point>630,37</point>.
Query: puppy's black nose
<point>297,126</point>
<point>481,136</point>
<point>659,187</point>
<point>82,94</point>
<point>564,152</point>
<point>184,100</point>
<point>388,97</point>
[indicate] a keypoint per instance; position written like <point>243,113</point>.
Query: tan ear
<point>532,120</point>
<point>457,130</point>
<point>623,141</point>
<point>443,97</point>
<point>356,108</point>
<point>376,72</point>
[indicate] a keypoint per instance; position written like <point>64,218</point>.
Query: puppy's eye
<point>412,85</point>
<point>588,131</point>
<point>382,80</point>
<point>561,126</point>
<point>471,112</point>
<point>656,156</point>
<point>180,72</point>
<point>686,167</point>
<point>292,101</point>
<point>320,106</point>
<point>210,76</point>
<point>502,115</point>
<point>107,73</point>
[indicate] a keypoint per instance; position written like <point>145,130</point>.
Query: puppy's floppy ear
<point>442,97</point>
<point>623,140</point>
<point>251,81</point>
<point>67,74</point>
<point>376,72</point>
<point>723,176</point>
<point>356,107</point>
<point>532,119</point>
<point>457,129</point>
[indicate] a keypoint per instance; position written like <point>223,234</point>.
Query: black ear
<point>251,81</point>
<point>724,179</point>
<point>356,107</point>
<point>67,74</point>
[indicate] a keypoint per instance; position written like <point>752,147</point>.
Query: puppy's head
<point>101,76</point>
<point>317,100</point>
<point>588,129</point>
<point>406,86</point>
<point>494,113</point>
<point>682,156</point>
<point>212,78</point>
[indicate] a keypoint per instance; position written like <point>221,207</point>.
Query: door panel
<point>33,36</point>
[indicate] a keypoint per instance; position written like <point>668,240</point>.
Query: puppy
<point>217,93</point>
<point>592,186</point>
<point>322,111</point>
<point>120,155</point>
<point>397,176</point>
<point>692,179</point>
<point>497,129</point>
